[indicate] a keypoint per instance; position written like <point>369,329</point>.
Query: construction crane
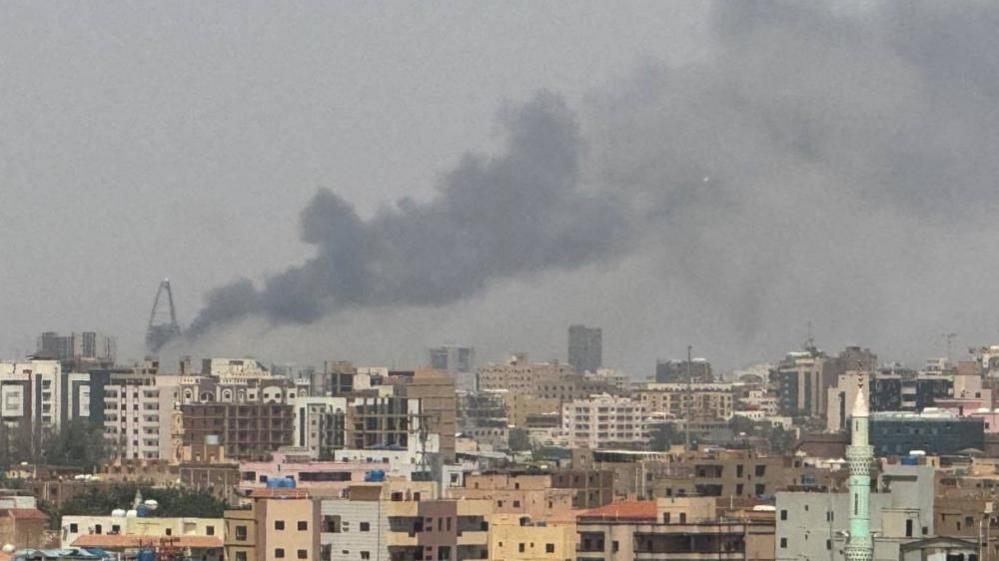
<point>163,324</point>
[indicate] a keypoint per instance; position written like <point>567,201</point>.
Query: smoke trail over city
<point>820,161</point>
<point>494,217</point>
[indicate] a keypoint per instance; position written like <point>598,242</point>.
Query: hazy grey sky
<point>783,164</point>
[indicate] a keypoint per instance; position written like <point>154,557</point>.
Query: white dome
<point>118,512</point>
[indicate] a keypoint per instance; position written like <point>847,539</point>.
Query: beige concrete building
<point>514,538</point>
<point>699,401</point>
<point>522,494</point>
<point>438,404</point>
<point>686,528</point>
<point>286,525</point>
<point>241,534</point>
<point>605,421</point>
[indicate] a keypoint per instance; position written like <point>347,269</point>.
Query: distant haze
<point>733,173</point>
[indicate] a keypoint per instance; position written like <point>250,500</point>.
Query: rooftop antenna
<point>809,338</point>
<point>949,337</point>
<point>690,395</point>
<point>163,324</point>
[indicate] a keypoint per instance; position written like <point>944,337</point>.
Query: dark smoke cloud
<point>520,212</point>
<point>821,162</point>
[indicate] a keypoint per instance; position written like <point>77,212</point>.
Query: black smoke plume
<point>493,218</point>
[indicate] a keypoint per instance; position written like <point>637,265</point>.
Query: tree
<point>665,435</point>
<point>173,502</point>
<point>80,443</point>
<point>519,440</point>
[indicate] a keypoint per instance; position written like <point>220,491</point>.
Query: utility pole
<point>690,395</point>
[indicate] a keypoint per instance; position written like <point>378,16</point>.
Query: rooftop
<point>623,510</point>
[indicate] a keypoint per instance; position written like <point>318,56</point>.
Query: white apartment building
<point>604,421</point>
<point>37,392</point>
<point>138,417</point>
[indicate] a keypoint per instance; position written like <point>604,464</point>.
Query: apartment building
<point>286,526</point>
<point>517,375</point>
<point>697,370</point>
<point>514,538</point>
<point>241,533</point>
<point>402,522</point>
<point>734,473</point>
<point>246,430</point>
<point>694,401</point>
<point>37,395</point>
<point>482,416</point>
<point>525,494</point>
<point>119,532</point>
<point>585,348</point>
<point>79,349</point>
<point>671,528</point>
<point>523,406</point>
<point>605,421</point>
<point>458,361</point>
<point>434,391</point>
<point>812,524</point>
<point>138,410</point>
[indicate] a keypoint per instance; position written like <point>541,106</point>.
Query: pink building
<point>313,474</point>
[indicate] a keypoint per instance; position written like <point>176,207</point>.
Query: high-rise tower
<point>859,455</point>
<point>163,324</point>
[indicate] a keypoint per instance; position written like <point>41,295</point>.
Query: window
<point>829,516</point>
<point>783,514</point>
<point>783,543</point>
<point>443,553</point>
<point>279,553</point>
<point>115,529</point>
<point>209,530</point>
<point>303,525</point>
<point>908,528</point>
<point>666,517</point>
<point>549,548</point>
<point>760,471</point>
<point>516,504</point>
<point>520,547</point>
<point>615,546</point>
<point>241,533</point>
<point>683,518</point>
<point>73,528</point>
<point>365,555</point>
<point>168,531</point>
<point>240,556</point>
<point>365,526</point>
<point>279,525</point>
<point>303,554</point>
<point>828,544</point>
